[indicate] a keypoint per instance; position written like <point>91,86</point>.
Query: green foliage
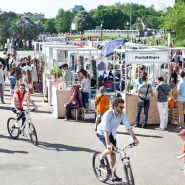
<point>7,20</point>
<point>63,20</point>
<point>175,20</point>
<point>83,21</point>
<point>26,28</point>
<point>56,71</point>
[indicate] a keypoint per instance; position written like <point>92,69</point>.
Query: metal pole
<point>130,15</point>
<point>101,33</point>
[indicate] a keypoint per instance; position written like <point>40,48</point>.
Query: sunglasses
<point>21,88</point>
<point>121,107</point>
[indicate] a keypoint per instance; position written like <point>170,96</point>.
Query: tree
<point>63,20</point>
<point>27,29</point>
<point>175,20</point>
<point>50,26</point>
<point>83,21</point>
<point>6,25</point>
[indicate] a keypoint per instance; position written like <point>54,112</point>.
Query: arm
<point>109,146</point>
<point>136,141</point>
<point>72,97</point>
<point>129,129</point>
<point>28,102</point>
<point>14,104</point>
<point>181,156</point>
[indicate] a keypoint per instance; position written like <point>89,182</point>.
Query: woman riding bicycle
<point>106,131</point>
<point>17,104</point>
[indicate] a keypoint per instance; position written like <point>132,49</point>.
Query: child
<point>102,105</point>
<point>12,79</point>
<point>182,134</point>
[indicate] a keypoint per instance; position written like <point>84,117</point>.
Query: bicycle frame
<point>28,119</point>
<point>122,155</point>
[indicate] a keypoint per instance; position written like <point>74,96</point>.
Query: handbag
<point>141,102</point>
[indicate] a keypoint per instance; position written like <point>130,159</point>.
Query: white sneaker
<point>159,129</point>
<point>17,123</point>
<point>23,133</point>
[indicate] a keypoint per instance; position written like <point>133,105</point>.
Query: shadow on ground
<point>63,147</point>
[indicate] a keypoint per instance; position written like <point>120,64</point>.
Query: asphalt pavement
<point>65,150</point>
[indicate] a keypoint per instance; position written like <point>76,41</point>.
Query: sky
<point>51,7</point>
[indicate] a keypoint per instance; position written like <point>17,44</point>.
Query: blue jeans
<point>138,113</point>
<point>20,115</point>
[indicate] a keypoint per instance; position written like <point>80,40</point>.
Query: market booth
<point>152,59</point>
<point>76,58</point>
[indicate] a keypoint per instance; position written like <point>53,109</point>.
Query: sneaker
<point>159,129</point>
<point>23,133</point>
<point>66,119</point>
<point>16,123</point>
<point>179,127</point>
<point>3,102</point>
<point>116,179</point>
<point>102,163</point>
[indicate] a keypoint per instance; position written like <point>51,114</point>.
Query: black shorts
<point>102,139</point>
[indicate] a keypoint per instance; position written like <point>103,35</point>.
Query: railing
<point>111,32</point>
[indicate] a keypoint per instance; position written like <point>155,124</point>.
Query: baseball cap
<point>182,132</point>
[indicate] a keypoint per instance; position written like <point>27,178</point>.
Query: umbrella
<point>108,48</point>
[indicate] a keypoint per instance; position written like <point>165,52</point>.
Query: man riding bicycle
<point>106,132</point>
<point>17,105</point>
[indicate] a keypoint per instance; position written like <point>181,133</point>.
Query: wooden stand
<point>173,115</point>
<point>59,98</point>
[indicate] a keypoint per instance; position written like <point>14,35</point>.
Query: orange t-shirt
<point>103,104</point>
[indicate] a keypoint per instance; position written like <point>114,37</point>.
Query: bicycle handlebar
<point>29,110</point>
<point>125,147</point>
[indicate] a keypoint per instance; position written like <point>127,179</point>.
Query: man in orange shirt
<point>102,105</point>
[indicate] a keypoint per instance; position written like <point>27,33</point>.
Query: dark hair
<point>116,101</point>
<point>182,74</point>
<point>65,65</point>
<point>143,78</point>
<point>161,79</point>
<point>23,85</point>
<point>12,73</point>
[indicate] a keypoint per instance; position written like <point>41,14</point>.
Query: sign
<point>98,28</point>
<point>147,57</point>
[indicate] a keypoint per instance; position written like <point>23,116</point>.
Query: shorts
<point>99,117</point>
<point>102,139</point>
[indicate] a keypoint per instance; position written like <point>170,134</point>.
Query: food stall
<point>76,58</point>
<point>152,59</point>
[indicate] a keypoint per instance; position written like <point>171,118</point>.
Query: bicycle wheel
<point>33,134</point>
<point>102,174</point>
<point>12,129</point>
<point>128,174</point>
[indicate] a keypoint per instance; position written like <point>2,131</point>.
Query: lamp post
<point>127,30</point>
<point>101,31</point>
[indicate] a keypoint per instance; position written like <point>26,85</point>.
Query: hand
<point>179,157</point>
<point>109,147</point>
<point>136,141</point>
<point>18,111</point>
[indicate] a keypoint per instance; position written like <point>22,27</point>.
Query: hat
<point>182,132</point>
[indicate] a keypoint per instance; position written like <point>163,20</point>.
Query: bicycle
<point>15,131</point>
<point>103,174</point>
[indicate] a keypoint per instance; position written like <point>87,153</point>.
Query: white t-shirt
<point>17,100</point>
<point>85,81</point>
<point>25,68</point>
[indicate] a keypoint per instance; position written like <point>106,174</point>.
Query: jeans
<point>19,116</point>
<point>85,98</point>
<point>138,113</point>
<point>163,114</point>
<point>1,92</point>
<point>181,107</point>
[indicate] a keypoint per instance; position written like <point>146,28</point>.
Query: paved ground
<point>65,150</point>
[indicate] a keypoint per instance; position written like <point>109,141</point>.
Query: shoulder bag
<point>141,102</point>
